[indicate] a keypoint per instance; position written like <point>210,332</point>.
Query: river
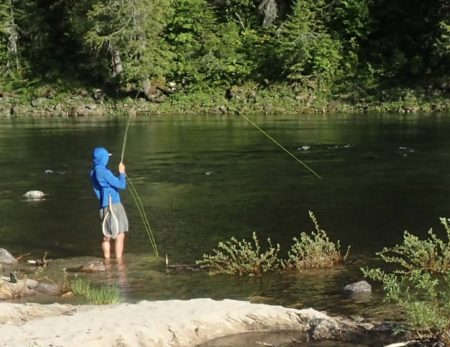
<point>204,179</point>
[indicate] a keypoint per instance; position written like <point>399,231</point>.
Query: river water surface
<point>204,179</point>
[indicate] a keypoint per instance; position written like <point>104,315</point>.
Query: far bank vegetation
<point>228,56</point>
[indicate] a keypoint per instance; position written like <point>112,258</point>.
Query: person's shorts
<point>113,223</point>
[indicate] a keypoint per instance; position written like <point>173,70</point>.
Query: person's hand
<point>121,168</point>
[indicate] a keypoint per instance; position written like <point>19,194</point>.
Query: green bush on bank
<point>314,250</point>
<point>235,257</point>
<point>419,281</point>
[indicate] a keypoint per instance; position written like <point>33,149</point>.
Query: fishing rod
<point>281,146</point>
<point>137,200</point>
<point>124,142</point>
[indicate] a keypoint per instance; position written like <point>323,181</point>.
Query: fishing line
<point>281,146</point>
<point>137,199</point>
<point>143,215</point>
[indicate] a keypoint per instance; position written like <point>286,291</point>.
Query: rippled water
<point>204,179</point>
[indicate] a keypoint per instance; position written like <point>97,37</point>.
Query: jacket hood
<point>100,157</point>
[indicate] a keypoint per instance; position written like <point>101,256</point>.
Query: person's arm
<point>117,182</point>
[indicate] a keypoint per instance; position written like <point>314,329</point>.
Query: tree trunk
<point>116,62</point>
<point>270,10</point>
<point>13,38</point>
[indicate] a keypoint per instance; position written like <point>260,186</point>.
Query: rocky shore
<point>173,323</point>
<point>96,103</point>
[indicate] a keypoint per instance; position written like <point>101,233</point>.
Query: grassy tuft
<point>95,295</point>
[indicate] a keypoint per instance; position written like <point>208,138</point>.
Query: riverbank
<point>81,102</point>
<point>183,323</point>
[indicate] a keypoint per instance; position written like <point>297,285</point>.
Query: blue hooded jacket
<point>103,181</point>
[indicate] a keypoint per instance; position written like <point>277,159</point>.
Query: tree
<point>406,43</point>
<point>304,51</point>
<point>124,37</point>
<point>205,51</point>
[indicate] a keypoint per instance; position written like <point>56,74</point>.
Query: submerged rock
<point>34,195</point>
<point>92,266</point>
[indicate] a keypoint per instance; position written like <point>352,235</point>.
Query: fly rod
<point>281,146</point>
<point>124,143</point>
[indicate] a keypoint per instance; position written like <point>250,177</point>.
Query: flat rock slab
<point>173,323</point>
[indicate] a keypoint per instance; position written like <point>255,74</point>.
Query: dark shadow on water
<point>292,339</point>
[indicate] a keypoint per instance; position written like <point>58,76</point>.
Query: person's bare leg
<point>119,245</point>
<point>106,247</point>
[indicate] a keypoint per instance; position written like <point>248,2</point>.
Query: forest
<point>304,54</point>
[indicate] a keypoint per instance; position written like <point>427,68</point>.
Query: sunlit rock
<point>34,195</point>
<point>6,257</point>
<point>174,323</point>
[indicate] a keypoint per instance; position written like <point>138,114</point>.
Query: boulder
<point>48,288</point>
<point>34,195</point>
<point>6,257</point>
<point>358,287</point>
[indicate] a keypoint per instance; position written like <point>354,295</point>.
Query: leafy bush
<point>431,255</point>
<point>95,295</point>
<point>314,251</point>
<point>241,258</point>
<point>419,282</point>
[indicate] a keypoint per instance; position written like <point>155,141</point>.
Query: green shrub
<point>95,295</point>
<point>419,281</point>
<point>241,258</point>
<point>315,250</point>
<point>432,254</point>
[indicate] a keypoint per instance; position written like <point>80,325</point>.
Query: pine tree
<point>304,51</point>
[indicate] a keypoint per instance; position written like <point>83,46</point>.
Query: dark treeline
<point>316,49</point>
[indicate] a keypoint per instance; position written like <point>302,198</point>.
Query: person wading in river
<point>112,213</point>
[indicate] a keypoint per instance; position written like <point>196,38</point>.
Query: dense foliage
<point>315,49</point>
